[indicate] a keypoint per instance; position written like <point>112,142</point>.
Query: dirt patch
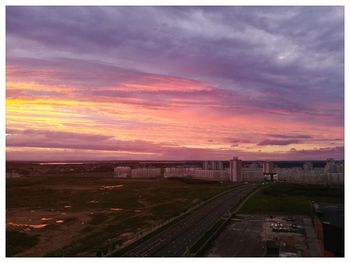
<point>48,226</point>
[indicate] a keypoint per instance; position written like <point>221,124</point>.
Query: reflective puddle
<point>116,209</point>
<point>35,226</point>
<point>46,218</point>
<point>110,187</point>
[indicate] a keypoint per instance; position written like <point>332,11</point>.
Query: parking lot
<point>262,235</point>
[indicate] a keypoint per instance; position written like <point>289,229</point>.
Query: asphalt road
<point>179,237</point>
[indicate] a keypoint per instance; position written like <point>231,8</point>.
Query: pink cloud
<point>101,145</point>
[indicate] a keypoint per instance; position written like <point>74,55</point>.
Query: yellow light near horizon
<point>127,120</point>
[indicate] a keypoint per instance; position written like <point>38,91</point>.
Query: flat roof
<point>330,213</point>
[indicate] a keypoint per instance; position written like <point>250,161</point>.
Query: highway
<point>176,239</point>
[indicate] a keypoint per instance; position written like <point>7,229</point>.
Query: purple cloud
<point>103,145</point>
<point>281,64</point>
<point>277,142</point>
<point>291,136</point>
<point>70,140</point>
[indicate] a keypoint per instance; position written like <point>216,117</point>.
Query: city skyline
<point>174,83</point>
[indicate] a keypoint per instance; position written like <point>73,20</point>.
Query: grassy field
<point>83,214</point>
<point>283,198</point>
<point>18,241</point>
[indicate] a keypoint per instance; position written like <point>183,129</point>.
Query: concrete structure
<point>252,173</point>
<point>301,175</point>
<point>331,175</point>
<point>122,172</point>
<point>196,173</point>
<point>267,167</point>
<point>212,170</point>
<point>212,175</point>
<point>328,222</point>
<point>308,166</point>
<point>213,165</point>
<point>335,179</point>
<point>235,170</point>
<point>146,172</point>
<point>269,174</point>
<point>172,172</point>
<point>127,172</point>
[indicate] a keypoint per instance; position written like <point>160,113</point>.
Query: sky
<point>174,83</point>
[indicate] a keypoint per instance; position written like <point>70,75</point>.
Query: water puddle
<point>35,226</point>
<point>67,206</point>
<point>110,187</point>
<point>116,209</point>
<point>46,218</point>
<point>59,221</point>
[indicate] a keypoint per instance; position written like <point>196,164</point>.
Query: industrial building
<point>328,220</point>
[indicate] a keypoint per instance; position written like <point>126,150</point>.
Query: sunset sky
<point>174,83</point>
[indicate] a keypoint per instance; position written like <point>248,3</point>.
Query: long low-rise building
<point>213,175</point>
<point>128,172</point>
<point>175,172</point>
<point>146,172</point>
<point>332,174</point>
<point>211,170</point>
<point>313,176</point>
<point>122,172</point>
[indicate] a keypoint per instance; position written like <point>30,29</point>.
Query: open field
<point>285,198</point>
<point>73,216</point>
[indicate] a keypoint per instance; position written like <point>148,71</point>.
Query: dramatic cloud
<point>291,136</point>
<point>175,82</point>
<point>277,142</point>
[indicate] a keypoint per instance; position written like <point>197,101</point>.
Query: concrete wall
<point>127,172</point>
<point>196,173</point>
<point>251,174</point>
<point>213,165</point>
<point>309,176</point>
<point>335,178</point>
<point>235,170</point>
<point>122,172</point>
<point>179,172</point>
<point>332,174</point>
<point>215,175</point>
<point>146,172</point>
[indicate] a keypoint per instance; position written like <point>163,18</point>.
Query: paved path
<point>314,246</point>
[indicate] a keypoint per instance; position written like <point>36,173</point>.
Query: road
<point>176,239</point>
